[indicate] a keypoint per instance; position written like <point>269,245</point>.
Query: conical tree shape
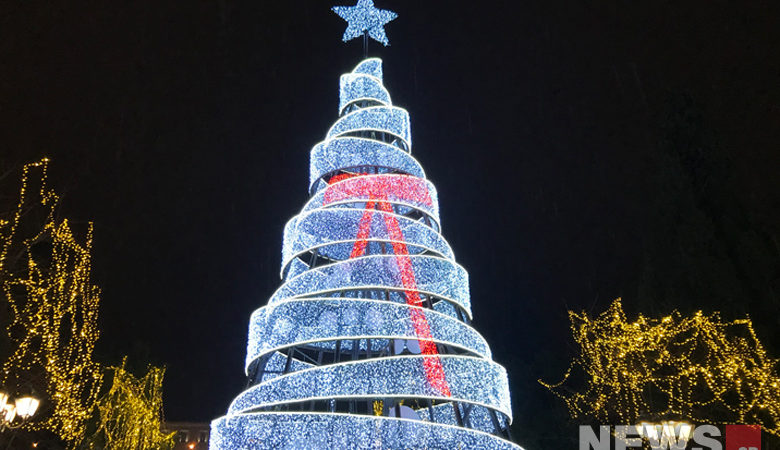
<point>367,343</point>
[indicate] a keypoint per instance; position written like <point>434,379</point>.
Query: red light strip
<point>434,369</point>
<point>400,187</point>
<point>379,190</point>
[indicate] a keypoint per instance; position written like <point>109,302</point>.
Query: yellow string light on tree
<point>45,275</point>
<point>699,368</point>
<point>131,412</point>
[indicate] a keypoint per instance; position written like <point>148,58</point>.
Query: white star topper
<point>365,17</point>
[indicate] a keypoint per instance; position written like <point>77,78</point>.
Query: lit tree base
<point>343,431</point>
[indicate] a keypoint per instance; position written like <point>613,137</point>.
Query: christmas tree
<point>367,342</point>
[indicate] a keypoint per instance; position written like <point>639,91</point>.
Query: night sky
<point>183,130</point>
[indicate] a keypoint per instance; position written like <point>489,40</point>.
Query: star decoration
<point>365,17</point>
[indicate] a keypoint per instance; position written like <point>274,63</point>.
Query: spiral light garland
<point>368,343</point>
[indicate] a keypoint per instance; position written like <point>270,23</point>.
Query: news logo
<point>670,436</point>
<point>743,437</point>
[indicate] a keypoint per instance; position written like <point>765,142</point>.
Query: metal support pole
<point>289,359</point>
<point>458,417</point>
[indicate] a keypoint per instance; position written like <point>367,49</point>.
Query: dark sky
<point>182,129</point>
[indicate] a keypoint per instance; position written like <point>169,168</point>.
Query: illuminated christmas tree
<point>367,342</point>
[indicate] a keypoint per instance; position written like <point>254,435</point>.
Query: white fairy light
<point>356,87</point>
<point>365,18</point>
<point>382,119</point>
<point>437,277</point>
<point>351,152</point>
<point>294,322</point>
<point>282,430</point>
<point>368,279</point>
<point>332,233</point>
<point>472,380</point>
